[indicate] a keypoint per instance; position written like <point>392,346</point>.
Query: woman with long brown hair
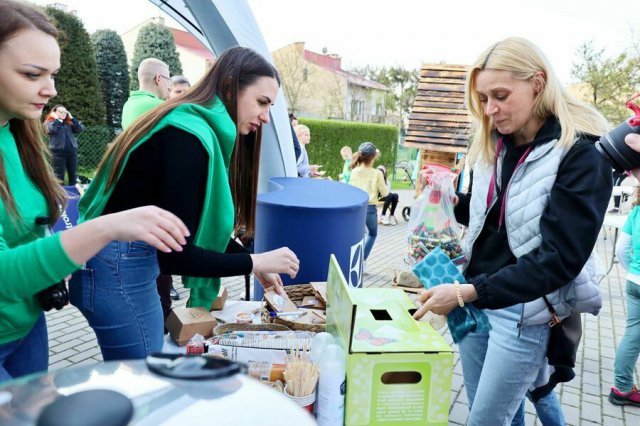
<point>365,177</point>
<point>196,155</point>
<point>30,197</point>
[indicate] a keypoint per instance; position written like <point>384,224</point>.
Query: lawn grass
<point>400,184</point>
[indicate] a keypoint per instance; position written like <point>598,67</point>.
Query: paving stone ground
<point>584,400</point>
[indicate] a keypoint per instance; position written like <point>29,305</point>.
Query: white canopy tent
<point>219,25</point>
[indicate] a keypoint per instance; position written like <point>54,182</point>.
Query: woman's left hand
<point>440,300</point>
<point>270,279</point>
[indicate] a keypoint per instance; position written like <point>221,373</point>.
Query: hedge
<point>329,136</point>
<point>92,144</point>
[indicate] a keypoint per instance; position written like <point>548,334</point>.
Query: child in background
<point>390,201</point>
<point>365,177</point>
<point>346,168</point>
<point>305,169</point>
<point>624,391</point>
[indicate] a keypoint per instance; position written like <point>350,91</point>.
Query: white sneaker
<point>385,220</point>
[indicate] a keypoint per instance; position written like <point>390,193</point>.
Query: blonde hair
<point>525,61</point>
<point>301,129</point>
<point>346,150</point>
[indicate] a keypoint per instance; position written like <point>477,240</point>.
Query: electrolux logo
<point>67,222</point>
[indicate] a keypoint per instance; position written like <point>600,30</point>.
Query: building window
<point>357,110</point>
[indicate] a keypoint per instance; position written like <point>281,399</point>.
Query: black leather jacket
<point>61,135</point>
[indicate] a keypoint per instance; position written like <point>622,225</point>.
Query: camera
<point>56,296</point>
<point>612,146</point>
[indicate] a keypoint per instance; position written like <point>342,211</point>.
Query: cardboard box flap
<point>184,323</point>
<point>384,323</point>
<point>376,320</point>
<point>193,315</point>
<point>341,310</point>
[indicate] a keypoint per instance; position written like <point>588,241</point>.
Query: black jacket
<point>61,135</point>
<point>569,227</point>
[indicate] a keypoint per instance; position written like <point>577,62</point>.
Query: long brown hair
<point>235,70</point>
<point>33,151</point>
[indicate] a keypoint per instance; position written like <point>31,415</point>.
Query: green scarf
<point>217,133</point>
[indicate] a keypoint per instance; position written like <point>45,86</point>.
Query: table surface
<point>623,189</point>
<point>238,400</point>
<point>614,220</point>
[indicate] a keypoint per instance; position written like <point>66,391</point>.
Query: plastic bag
<point>432,223</point>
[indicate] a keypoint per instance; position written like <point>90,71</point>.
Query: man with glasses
<point>153,79</point>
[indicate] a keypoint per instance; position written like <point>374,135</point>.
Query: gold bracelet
<point>458,294</point>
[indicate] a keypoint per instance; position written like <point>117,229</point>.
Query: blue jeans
<point>27,355</point>
<point>548,409</point>
<point>117,294</point>
<point>500,366</point>
<point>371,222</point>
<point>629,347</point>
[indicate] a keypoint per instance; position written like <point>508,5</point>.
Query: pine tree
<point>155,41</point>
<point>77,82</point>
<point>113,72</point>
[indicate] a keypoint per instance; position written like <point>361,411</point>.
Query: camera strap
<point>634,121</point>
<point>494,179</point>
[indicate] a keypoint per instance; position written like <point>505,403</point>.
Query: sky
<point>409,33</point>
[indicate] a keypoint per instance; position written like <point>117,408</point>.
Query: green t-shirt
<point>139,102</point>
<point>632,227</point>
<point>346,170</point>
<point>28,262</point>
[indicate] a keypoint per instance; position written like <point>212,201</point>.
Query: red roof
<point>333,63</point>
<point>188,42</point>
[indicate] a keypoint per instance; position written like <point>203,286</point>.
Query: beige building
<point>195,58</point>
<point>316,86</point>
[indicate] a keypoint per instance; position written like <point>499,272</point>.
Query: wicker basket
<point>228,328</point>
<point>296,293</point>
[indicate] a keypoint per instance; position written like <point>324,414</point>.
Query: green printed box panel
<point>398,389</point>
<point>383,324</point>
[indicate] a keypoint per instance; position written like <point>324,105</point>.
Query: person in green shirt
<point>346,154</point>
<point>197,156</point>
<point>30,197</point>
<point>154,80</point>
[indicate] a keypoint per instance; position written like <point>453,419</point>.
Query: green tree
<point>608,82</point>
<point>113,72</point>
<point>154,41</point>
<point>402,84</point>
<point>77,82</point>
